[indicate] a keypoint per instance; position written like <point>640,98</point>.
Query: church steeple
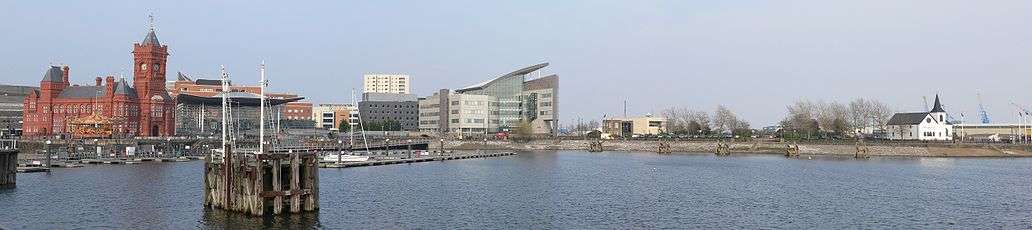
<point>937,108</point>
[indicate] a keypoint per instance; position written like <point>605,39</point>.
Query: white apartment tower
<point>386,83</point>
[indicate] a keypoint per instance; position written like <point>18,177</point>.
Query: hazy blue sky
<point>753,56</point>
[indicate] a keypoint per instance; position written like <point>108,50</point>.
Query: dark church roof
<point>82,92</point>
<point>907,118</point>
<point>151,39</point>
<point>938,107</point>
<point>122,88</point>
<point>54,74</point>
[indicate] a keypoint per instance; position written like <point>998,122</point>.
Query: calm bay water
<point>561,190</point>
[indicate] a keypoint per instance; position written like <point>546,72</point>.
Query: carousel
<point>92,126</point>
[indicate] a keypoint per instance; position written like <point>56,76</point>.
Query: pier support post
<point>295,196</point>
<point>277,186</point>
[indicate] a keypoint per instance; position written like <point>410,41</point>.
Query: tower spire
<point>151,19</point>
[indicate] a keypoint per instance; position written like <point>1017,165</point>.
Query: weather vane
<point>151,16</point>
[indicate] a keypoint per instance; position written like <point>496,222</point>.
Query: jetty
<point>375,162</point>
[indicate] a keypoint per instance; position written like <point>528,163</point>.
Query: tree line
<point>687,121</point>
<point>808,119</point>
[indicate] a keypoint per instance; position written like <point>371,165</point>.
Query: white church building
<point>924,126</point>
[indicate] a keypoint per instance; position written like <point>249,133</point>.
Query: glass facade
<point>507,103</point>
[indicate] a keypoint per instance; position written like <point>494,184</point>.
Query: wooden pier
<point>8,168</point>
<point>258,184</point>
<point>413,160</point>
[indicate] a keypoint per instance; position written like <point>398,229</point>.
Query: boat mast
<point>225,106</point>
<point>261,111</point>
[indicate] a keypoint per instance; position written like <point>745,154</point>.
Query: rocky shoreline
<point>844,149</point>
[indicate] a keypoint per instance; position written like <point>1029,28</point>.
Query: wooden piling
<point>8,168</point>
<point>251,183</point>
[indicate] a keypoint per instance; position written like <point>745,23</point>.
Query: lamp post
<point>409,146</point>
<point>441,147</point>
<point>387,145</point>
<point>340,144</point>
<point>46,149</point>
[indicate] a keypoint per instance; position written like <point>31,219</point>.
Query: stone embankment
<point>709,147</point>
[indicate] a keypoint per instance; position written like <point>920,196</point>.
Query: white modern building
<point>330,116</point>
<point>924,126</point>
<point>386,83</point>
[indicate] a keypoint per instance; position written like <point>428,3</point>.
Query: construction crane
<point>981,110</point>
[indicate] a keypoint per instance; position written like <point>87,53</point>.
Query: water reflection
<point>219,219</point>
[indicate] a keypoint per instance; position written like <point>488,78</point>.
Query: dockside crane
<point>981,110</point>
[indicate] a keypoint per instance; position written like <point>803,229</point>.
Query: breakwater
<point>763,147</point>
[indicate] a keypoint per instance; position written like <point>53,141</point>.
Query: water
<point>561,190</point>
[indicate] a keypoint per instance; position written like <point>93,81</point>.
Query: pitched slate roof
<point>82,92</point>
<point>54,74</point>
<point>151,39</point>
<point>907,118</point>
<point>122,88</point>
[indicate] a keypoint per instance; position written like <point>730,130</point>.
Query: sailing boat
<point>341,157</point>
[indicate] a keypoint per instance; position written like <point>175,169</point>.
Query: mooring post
<point>295,196</point>
<point>277,186</point>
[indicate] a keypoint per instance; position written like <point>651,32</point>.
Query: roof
<point>907,118</point>
<point>518,72</point>
<point>82,92</point>
<point>54,74</point>
<point>546,82</point>
<point>208,82</point>
<point>241,98</point>
<point>122,88</point>
<point>938,107</point>
<point>151,39</point>
<point>182,77</point>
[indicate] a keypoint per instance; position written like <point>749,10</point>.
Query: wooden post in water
<point>295,196</point>
<point>8,168</point>
<point>277,186</point>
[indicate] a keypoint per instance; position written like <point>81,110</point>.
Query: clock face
<point>143,66</point>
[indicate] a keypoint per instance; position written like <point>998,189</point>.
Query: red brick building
<point>142,108</point>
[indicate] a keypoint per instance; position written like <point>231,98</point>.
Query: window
<point>928,120</point>
<point>454,121</point>
<point>455,103</point>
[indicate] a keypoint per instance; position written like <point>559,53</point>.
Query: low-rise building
<point>633,126</point>
<point>386,108</point>
<point>925,126</point>
<point>992,132</point>
<point>331,116</point>
<point>11,108</point>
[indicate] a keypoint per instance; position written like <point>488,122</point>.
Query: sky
<point>755,57</point>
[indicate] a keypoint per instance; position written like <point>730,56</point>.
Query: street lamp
<point>409,146</point>
<point>387,145</point>
<point>47,150</point>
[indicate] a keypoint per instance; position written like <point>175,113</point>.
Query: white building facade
<point>386,83</point>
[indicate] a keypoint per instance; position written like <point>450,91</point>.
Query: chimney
<point>64,77</point>
<point>110,86</point>
<point>98,81</point>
